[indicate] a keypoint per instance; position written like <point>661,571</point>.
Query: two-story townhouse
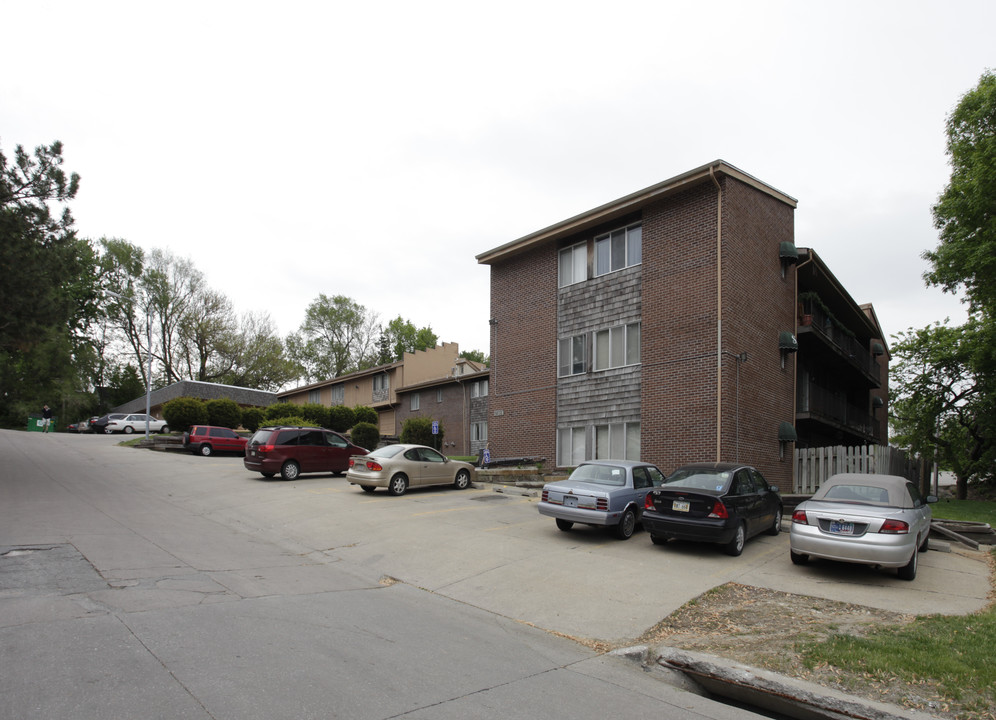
<point>659,326</point>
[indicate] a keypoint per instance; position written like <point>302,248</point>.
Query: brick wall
<point>524,356</point>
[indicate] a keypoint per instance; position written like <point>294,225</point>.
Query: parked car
<point>863,518</point>
<point>398,467</point>
<point>136,421</point>
<point>209,439</point>
<point>295,450</point>
<point>723,503</point>
<point>608,493</point>
<point>99,425</point>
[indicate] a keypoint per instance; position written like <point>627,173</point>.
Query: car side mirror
<point>773,488</point>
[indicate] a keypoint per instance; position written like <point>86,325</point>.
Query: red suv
<point>295,450</point>
<point>208,439</point>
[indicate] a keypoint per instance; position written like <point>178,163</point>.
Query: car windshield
<point>600,475</point>
<point>859,494</point>
<point>388,451</point>
<point>700,479</point>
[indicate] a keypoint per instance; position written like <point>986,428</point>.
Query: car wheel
<point>564,525</point>
<point>798,558</point>
<point>368,488</point>
<point>164,429</point>
<point>107,431</point>
<point>658,539</point>
<point>398,485</point>
<point>925,545</point>
<point>206,449</point>
<point>908,571</point>
<point>290,470</point>
<point>627,524</point>
<point>128,430</point>
<point>462,480</point>
<point>267,475</point>
<point>736,545</point>
<point>776,526</point>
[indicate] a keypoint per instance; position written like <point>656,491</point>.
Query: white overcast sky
<point>373,149</point>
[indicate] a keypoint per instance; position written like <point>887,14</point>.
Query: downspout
<point>719,316</point>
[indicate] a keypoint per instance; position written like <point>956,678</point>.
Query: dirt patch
<point>762,628</point>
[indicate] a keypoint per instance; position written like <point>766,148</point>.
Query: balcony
<point>845,346</point>
<point>832,408</point>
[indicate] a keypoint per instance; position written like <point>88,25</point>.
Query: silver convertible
<point>609,493</point>
<point>870,519</point>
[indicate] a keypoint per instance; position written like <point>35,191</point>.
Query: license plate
<point>842,528</point>
<point>570,501</point>
<point>680,506</point>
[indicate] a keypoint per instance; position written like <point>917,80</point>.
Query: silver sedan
<point>862,518</point>
<point>398,467</point>
<point>607,493</point>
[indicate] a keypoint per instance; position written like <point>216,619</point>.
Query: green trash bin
<point>35,424</point>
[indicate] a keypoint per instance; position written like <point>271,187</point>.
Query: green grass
<point>965,510</point>
<point>952,654</point>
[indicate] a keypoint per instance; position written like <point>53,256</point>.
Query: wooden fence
<point>814,465</point>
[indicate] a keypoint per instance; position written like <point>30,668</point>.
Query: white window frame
<point>338,395</point>
<point>479,431</point>
<point>617,346</point>
<point>619,249</point>
<point>439,395</point>
<point>479,388</point>
<point>381,381</point>
<point>567,364</point>
<point>572,264</point>
<point>415,401</point>
<point>571,444</point>
<point>617,441</point>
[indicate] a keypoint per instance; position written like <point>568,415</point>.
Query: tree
<point>48,294</point>
<point>477,356</point>
<point>337,336</point>
<point>965,214</point>
<point>402,336</point>
<point>257,356</point>
<point>945,398</point>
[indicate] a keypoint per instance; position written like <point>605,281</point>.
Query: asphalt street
<point>144,584</point>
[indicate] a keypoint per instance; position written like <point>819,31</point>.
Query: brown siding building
<point>662,326</point>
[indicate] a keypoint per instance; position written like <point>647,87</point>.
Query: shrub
<point>292,420</point>
<point>314,413</point>
<point>224,412</point>
<point>182,412</point>
<point>365,414</point>
<point>284,409</point>
<point>341,418</point>
<point>418,431</point>
<point>366,435</point>
<point>252,418</point>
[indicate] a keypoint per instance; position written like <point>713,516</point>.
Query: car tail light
<point>719,511</point>
<point>602,504</point>
<point>351,462</point>
<point>895,527</point>
<point>799,516</point>
<point>265,448</point>
<point>648,503</point>
<point>546,495</point>
<point>374,466</point>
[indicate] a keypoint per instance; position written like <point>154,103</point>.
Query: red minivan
<point>291,451</point>
<point>209,439</point>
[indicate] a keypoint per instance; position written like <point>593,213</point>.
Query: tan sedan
<point>398,467</point>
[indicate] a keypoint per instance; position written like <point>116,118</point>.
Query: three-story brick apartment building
<point>662,326</point>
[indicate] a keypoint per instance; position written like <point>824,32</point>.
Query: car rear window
<point>600,474</point>
<point>388,451</point>
<point>262,437</point>
<point>700,479</point>
<point>863,494</point>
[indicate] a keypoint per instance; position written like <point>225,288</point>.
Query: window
<point>574,264</point>
<point>617,441</point>
<point>439,395</point>
<point>380,382</point>
<point>618,249</point>
<point>571,356</point>
<point>338,395</point>
<point>570,446</point>
<point>479,388</point>
<point>416,401</point>
<point>314,396</point>
<point>617,346</point>
<point>479,432</point>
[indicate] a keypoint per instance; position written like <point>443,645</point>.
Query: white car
<point>870,519</point>
<point>136,423</point>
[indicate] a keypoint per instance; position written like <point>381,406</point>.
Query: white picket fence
<point>814,465</point>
